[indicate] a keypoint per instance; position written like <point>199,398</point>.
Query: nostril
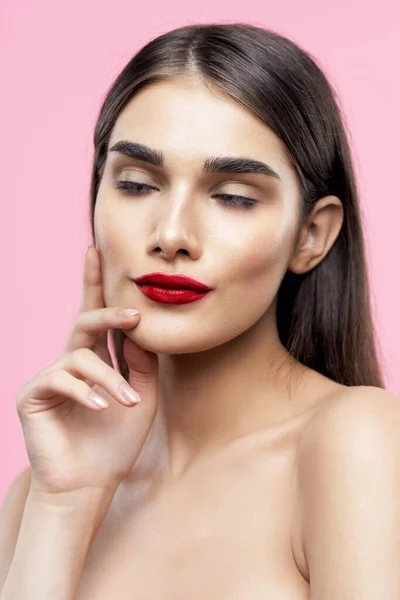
<point>181,251</point>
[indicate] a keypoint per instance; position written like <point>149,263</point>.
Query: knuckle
<point>77,356</point>
<point>80,318</point>
<point>84,353</point>
<point>19,405</point>
<point>76,325</point>
<point>53,378</point>
<point>83,320</point>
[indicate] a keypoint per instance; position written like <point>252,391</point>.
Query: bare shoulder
<point>349,482</point>
<point>11,512</point>
<point>348,414</point>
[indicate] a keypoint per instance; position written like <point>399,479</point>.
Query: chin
<point>173,342</point>
<point>169,344</point>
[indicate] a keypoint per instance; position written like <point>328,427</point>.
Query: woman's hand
<point>75,446</point>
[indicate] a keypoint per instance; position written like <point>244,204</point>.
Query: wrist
<point>87,499</point>
<point>60,528</point>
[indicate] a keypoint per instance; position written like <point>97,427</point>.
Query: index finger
<point>92,293</point>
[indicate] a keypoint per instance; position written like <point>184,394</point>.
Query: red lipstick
<point>171,289</point>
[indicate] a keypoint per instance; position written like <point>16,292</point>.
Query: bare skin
<point>228,528</point>
<point>209,508</point>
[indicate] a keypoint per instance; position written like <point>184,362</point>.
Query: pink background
<point>58,59</point>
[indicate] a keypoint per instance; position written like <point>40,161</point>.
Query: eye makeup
<point>136,189</point>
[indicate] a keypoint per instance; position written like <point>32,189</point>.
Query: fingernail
<point>128,312</point>
<point>129,394</point>
<point>97,400</point>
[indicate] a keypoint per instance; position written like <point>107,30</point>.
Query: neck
<point>210,398</point>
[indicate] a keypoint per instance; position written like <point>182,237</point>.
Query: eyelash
<point>129,187</point>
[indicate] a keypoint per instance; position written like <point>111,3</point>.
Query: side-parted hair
<point>323,316</point>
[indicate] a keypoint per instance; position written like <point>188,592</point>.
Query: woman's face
<point>183,223</point>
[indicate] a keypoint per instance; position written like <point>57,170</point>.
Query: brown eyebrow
<point>213,164</point>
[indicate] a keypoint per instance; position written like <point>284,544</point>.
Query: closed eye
<point>132,188</point>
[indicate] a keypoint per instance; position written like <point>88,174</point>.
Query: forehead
<point>189,121</point>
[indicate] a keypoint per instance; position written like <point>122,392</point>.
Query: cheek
<point>261,260</point>
<point>107,240</point>
<point>114,232</point>
<point>113,249</point>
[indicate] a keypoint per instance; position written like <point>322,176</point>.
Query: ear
<point>318,234</point>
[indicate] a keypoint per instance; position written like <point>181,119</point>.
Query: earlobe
<point>319,234</point>
<point>301,258</point>
<point>302,261</point>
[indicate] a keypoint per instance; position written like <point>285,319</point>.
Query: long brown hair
<point>323,316</point>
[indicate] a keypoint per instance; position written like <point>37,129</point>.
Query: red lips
<point>172,282</point>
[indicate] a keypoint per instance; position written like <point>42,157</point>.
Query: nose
<point>176,231</point>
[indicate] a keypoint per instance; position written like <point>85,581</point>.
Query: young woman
<point>263,458</point>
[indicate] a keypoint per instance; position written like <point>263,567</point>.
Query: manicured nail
<point>128,312</point>
<point>97,401</point>
<point>128,394</point>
